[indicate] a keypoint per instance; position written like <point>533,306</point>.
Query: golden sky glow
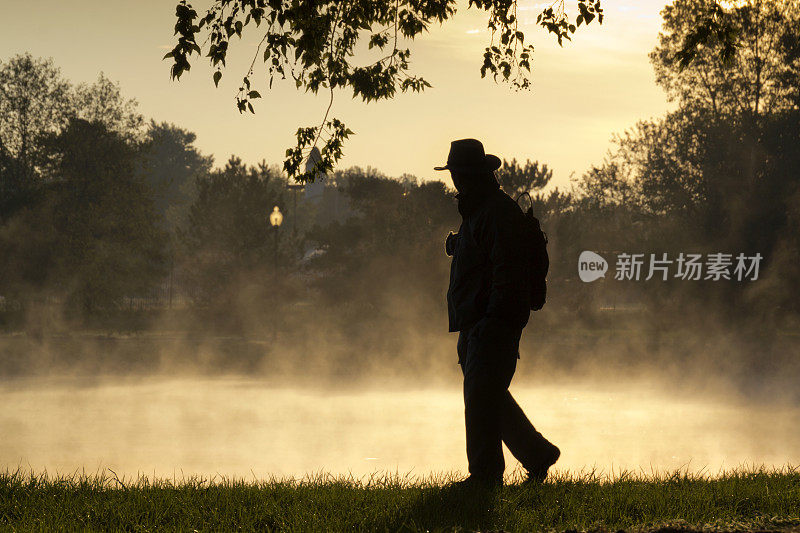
<point>598,84</point>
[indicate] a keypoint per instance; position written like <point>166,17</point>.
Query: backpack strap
<point>520,195</point>
<point>529,212</point>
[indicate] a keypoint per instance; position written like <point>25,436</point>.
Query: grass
<point>741,499</point>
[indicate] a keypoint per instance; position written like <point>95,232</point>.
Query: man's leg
<point>522,439</point>
<point>487,370</point>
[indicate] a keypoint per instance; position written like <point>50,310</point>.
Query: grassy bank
<point>737,500</point>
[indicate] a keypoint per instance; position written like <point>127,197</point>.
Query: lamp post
<point>275,220</point>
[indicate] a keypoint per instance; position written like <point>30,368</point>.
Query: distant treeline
<point>101,211</point>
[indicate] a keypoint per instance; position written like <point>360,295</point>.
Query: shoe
<point>478,483</point>
<point>538,473</point>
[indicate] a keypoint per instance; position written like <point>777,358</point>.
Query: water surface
<point>246,428</point>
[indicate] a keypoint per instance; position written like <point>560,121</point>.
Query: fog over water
<point>631,397</point>
<point>251,427</point>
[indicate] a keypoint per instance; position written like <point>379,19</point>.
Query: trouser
<point>492,416</point>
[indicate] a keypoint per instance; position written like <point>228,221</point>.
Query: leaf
<point>254,94</point>
<point>217,76</point>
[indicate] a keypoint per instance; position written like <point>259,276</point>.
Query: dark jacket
<point>489,275</point>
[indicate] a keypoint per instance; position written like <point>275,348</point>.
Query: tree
<point>314,42</point>
<point>714,154</point>
<point>516,179</point>
<point>171,166</point>
<point>110,245</point>
<point>699,160</point>
<point>91,237</point>
<point>34,102</point>
<point>37,102</point>
<point>227,239</point>
<point>656,165</point>
<point>103,102</point>
<point>719,172</point>
<point>386,261</point>
<point>757,76</point>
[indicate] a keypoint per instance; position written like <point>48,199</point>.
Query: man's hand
<point>450,243</point>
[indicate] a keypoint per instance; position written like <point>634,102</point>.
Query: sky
<point>582,93</point>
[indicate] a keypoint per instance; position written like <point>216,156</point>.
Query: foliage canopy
<point>314,43</point>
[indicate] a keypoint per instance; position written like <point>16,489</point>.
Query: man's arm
<point>502,235</point>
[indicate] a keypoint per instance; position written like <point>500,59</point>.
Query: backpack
<point>540,262</point>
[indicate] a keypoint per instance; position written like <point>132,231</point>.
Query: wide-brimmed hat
<point>467,155</point>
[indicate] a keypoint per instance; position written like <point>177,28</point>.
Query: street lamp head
<point>276,217</point>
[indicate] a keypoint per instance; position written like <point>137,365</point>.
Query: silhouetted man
<point>489,305</point>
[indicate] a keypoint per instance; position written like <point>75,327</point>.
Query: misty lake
<point>246,428</point>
